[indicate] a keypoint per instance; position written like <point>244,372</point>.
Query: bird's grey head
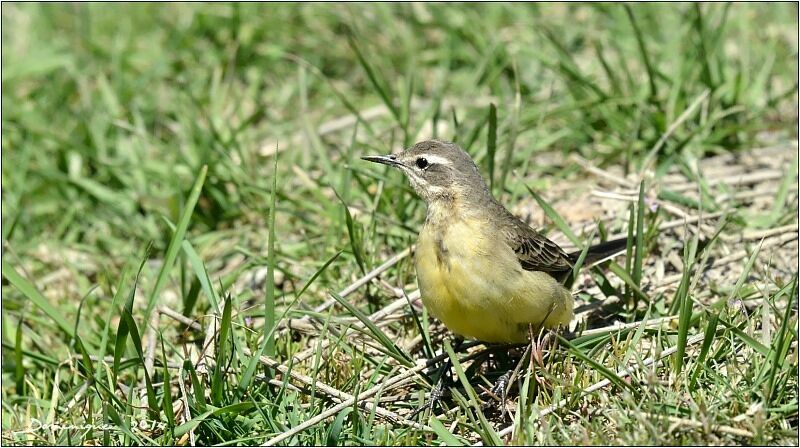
<point>438,170</point>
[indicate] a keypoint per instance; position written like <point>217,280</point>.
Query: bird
<point>481,270</point>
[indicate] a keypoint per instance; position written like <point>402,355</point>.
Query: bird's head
<point>437,170</point>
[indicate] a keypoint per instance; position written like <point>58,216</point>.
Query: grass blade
<point>133,331</point>
<point>332,438</point>
<point>247,376</point>
<point>202,277</point>
<point>373,79</point>
<point>175,243</point>
<point>746,271</point>
<point>603,370</point>
<point>122,329</point>
<point>555,217</point>
<point>711,331</point>
<point>639,249</point>
<point>651,76</point>
<point>198,390</point>
<point>353,235</point>
<point>269,299</point>
<point>684,301</point>
<point>377,333</point>
<point>166,402</point>
<point>86,366</point>
<point>579,262</point>
<point>620,272</point>
<point>779,342</point>
<point>746,338</point>
<point>236,408</point>
<point>761,220</point>
<point>29,290</point>
<point>491,144</point>
<point>444,434</point>
<point>637,336</point>
<point>217,379</point>
<point>513,130</point>
<point>486,431</point>
<point>19,367</point>
<point>570,69</point>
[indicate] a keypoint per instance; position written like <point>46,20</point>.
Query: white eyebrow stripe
<point>437,159</point>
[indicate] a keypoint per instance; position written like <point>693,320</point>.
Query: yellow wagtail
<point>481,270</point>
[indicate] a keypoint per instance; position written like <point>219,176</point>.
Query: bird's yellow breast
<point>471,280</point>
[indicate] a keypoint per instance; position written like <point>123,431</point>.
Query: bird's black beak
<point>390,160</point>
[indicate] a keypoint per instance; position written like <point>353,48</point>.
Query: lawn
<point>194,253</point>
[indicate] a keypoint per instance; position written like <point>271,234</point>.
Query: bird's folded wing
<point>537,253</point>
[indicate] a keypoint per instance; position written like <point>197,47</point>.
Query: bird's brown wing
<point>537,253</point>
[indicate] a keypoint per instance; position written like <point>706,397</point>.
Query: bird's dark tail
<point>600,251</point>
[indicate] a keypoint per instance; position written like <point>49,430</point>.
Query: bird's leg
<point>499,390</point>
<point>502,386</point>
<point>534,352</point>
<point>442,386</point>
<point>439,390</point>
<point>458,343</point>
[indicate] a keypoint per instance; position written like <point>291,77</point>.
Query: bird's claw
<point>498,393</point>
<point>439,392</point>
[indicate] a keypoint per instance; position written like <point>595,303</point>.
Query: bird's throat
<point>443,212</point>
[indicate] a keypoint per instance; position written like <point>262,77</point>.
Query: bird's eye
<point>422,163</point>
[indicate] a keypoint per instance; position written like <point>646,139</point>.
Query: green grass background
<point>138,170</point>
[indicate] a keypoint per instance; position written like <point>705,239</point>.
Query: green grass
<point>139,176</point>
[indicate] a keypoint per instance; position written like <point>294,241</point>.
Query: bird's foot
<point>440,390</point>
<point>499,393</point>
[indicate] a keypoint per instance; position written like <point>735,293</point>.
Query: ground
<point>193,252</point>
